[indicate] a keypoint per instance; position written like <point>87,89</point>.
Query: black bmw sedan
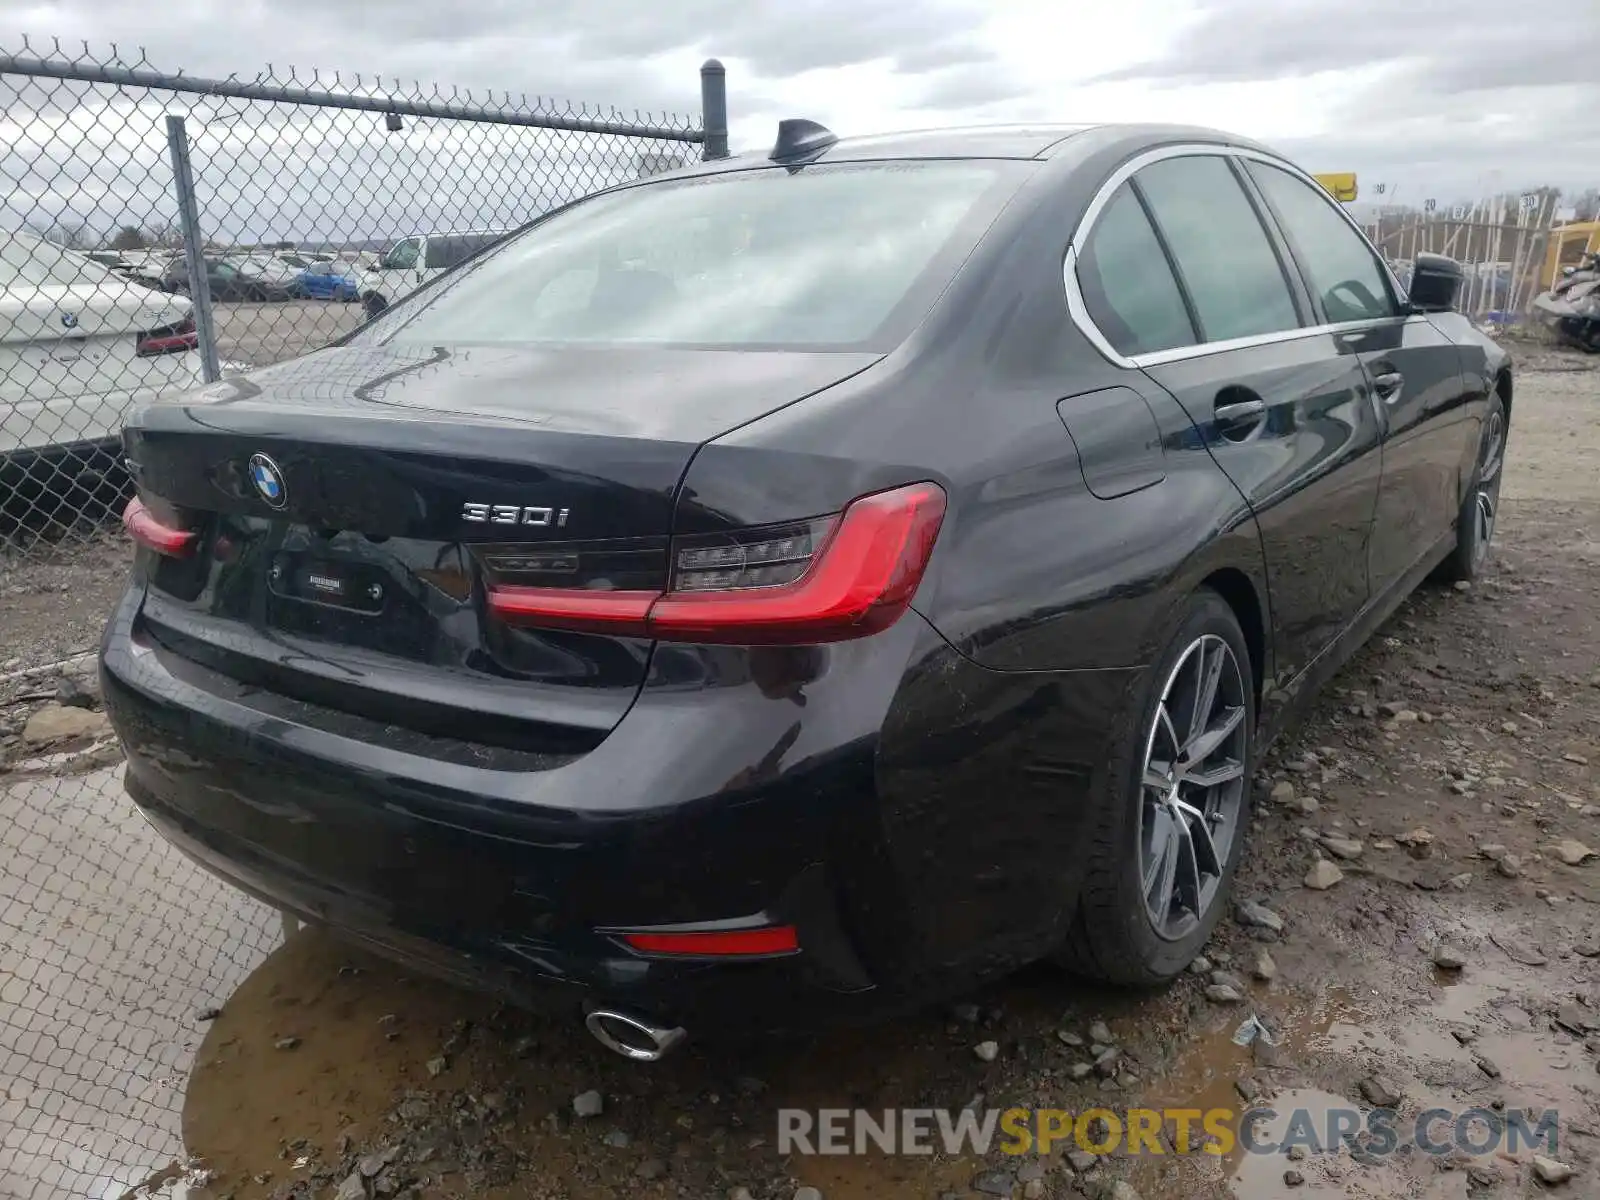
<point>795,588</point>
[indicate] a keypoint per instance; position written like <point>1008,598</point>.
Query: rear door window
<point>1127,286</point>
<point>1341,267</point>
<point>1223,254</point>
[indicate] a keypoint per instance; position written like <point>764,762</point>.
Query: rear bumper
<point>571,973</point>
<point>915,817</point>
<point>502,879</point>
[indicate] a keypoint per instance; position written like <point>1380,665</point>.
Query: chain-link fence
<point>1511,247</point>
<point>157,228</point>
<point>150,222</point>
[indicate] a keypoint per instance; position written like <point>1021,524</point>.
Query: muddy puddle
<point>324,1049</point>
<point>1477,1054</point>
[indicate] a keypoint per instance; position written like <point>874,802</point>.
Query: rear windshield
<point>27,262</point>
<point>844,257</point>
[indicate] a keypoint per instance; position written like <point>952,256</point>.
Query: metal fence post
<point>193,248</point>
<point>714,109</point>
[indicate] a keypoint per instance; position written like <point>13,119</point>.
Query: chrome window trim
<point>1078,310</point>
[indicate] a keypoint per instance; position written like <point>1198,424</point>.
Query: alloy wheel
<point>1192,790</point>
<point>1486,496</point>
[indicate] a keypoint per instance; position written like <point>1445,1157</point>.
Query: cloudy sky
<point>1435,97</point>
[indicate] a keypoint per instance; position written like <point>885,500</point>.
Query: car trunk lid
<point>60,340</point>
<point>350,508</point>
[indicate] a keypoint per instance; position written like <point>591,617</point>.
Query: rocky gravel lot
<point>1416,929</point>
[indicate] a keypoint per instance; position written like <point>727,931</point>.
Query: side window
<point>451,252</point>
<point>1341,267</point>
<point>1130,294</point>
<point>402,256</point>
<point>1222,251</point>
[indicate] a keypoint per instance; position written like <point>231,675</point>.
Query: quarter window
<point>1223,255</point>
<point>1338,263</point>
<point>1127,287</point>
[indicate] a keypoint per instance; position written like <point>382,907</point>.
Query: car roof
<point>1038,140</point>
<point>969,141</point>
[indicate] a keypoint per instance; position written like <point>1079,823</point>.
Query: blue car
<point>326,281</point>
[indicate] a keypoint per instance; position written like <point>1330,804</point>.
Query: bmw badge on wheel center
<point>891,583</point>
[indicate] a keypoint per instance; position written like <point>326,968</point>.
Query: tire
<point>374,304</point>
<point>1117,935</point>
<point>1480,511</point>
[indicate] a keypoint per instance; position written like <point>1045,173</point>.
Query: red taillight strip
<point>621,614</point>
<point>169,339</point>
<point>861,581</point>
<point>151,533</point>
<point>718,943</point>
<point>173,343</point>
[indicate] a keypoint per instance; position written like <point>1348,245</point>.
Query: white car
<point>269,267</point>
<point>413,261</point>
<point>80,346</point>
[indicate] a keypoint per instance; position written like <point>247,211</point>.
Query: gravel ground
<point>1442,800</point>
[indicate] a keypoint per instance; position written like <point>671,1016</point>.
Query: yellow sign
<point>1341,185</point>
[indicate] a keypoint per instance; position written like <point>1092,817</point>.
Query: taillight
<point>154,534</point>
<point>821,580</point>
<point>168,339</point>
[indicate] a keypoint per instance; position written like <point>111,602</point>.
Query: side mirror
<point>1435,280</point>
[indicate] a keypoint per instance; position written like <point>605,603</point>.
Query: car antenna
<point>799,138</point>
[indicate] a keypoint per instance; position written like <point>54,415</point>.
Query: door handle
<point>1388,385</point>
<point>1240,412</point>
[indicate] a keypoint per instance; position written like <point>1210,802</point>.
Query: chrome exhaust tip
<point>631,1036</point>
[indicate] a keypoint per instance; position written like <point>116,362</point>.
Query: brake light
<point>717,943</point>
<point>823,580</point>
<point>168,339</point>
<point>145,529</point>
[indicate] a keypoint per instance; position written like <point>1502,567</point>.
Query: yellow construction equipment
<point>1568,244</point>
<point>1341,185</point>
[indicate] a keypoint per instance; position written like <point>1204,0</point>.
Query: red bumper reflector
<point>151,533</point>
<point>718,943</point>
<point>860,581</point>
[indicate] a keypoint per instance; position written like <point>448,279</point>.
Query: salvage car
<point>414,261</point>
<point>231,281</point>
<point>889,578</point>
<point>326,281</point>
<point>80,347</point>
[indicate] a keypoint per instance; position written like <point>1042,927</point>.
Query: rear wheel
<point>374,304</point>
<point>1164,851</point>
<point>1480,511</point>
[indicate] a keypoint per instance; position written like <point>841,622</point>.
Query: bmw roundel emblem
<point>267,479</point>
<point>69,320</point>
